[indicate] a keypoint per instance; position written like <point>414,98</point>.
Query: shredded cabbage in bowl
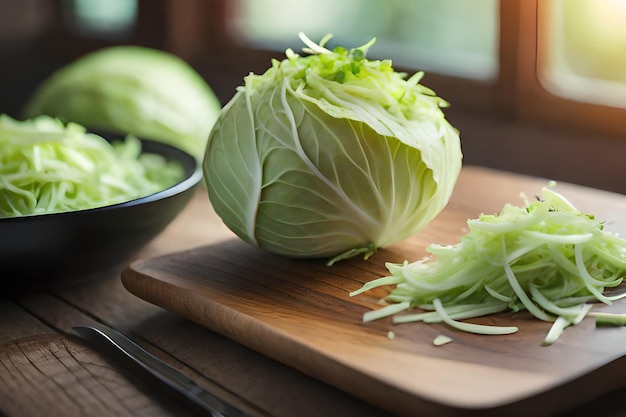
<point>49,167</point>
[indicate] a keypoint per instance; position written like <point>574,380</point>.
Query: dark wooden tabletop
<point>46,370</point>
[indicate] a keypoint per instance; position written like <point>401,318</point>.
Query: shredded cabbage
<point>47,167</point>
<point>547,258</point>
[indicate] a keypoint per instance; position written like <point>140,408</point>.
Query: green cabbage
<point>546,257</point>
<point>131,90</point>
<point>49,167</point>
<point>330,155</point>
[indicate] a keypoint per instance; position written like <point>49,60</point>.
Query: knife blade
<point>207,401</point>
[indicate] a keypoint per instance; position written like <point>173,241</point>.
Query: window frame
<point>534,103</point>
<point>196,30</point>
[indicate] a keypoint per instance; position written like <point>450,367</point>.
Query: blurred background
<point>536,86</point>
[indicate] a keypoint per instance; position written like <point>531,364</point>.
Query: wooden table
<point>45,370</point>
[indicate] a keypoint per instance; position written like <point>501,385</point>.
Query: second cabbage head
<point>331,155</point>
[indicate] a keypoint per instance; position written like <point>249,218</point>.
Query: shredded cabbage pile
<point>547,258</point>
<point>47,167</point>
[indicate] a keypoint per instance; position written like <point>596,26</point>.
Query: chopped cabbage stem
<point>547,258</point>
<point>608,319</point>
<point>441,340</point>
<point>49,167</point>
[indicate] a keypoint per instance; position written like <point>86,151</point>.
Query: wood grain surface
<point>255,383</point>
<point>299,313</point>
<point>32,369</point>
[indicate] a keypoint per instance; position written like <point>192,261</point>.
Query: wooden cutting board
<point>299,313</point>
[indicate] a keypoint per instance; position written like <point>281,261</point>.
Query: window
<point>107,19</point>
<point>552,48</point>
<point>522,60</point>
<point>555,62</point>
<point>582,50</point>
<point>443,36</point>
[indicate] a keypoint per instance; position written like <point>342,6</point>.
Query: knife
<point>207,401</point>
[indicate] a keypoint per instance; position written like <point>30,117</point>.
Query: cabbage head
<point>131,90</point>
<point>330,155</point>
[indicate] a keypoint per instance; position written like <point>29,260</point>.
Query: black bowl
<point>58,249</point>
